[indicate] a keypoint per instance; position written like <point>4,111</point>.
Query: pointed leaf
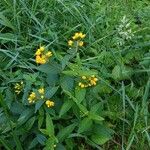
<point>65,107</point>
<point>49,125</point>
<point>85,124</point>
<point>64,133</point>
<point>80,94</point>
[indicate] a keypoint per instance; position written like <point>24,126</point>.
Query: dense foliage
<point>75,75</point>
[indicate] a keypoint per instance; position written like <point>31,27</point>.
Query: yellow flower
<point>89,84</point>
<point>41,90</point>
<point>32,97</point>
<point>89,81</point>
<point>55,145</point>
<point>31,100</point>
<point>73,37</point>
<point>82,85</point>
<point>17,91</point>
<point>93,82</point>
<point>42,48</point>
<point>70,42</point>
<point>18,87</point>
<point>81,35</point>
<point>44,57</point>
<point>80,43</point>
<point>42,96</point>
<point>40,60</point>
<point>49,54</point>
<point>43,61</point>
<point>38,52</point>
<point>95,79</point>
<point>41,56</point>
<point>76,36</point>
<point>49,103</point>
<point>83,77</point>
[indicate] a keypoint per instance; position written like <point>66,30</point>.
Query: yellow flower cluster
<point>77,39</point>
<point>88,81</point>
<point>18,87</point>
<point>41,92</point>
<point>40,95</point>
<point>32,97</point>
<point>49,103</point>
<point>42,56</point>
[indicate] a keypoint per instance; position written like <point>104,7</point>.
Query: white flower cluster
<point>124,31</point>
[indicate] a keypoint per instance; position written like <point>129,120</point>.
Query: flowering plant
<point>74,75</point>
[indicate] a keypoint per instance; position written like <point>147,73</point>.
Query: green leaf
<point>50,91</point>
<point>101,134</point>
<point>49,68</point>
<point>15,137</point>
<point>76,111</point>
<point>4,21</point>
<point>67,83</point>
<point>49,125</point>
<point>64,133</point>
<point>60,147</point>
<point>5,144</point>
<point>9,97</point>
<point>85,124</point>
<point>41,139</point>
<point>121,72</point>
<point>33,143</point>
<point>38,105</point>
<point>80,94</point>
<point>26,92</point>
<point>7,37</point>
<point>116,72</point>
<point>52,79</point>
<point>40,118</point>
<point>100,139</point>
<point>65,107</point>
<point>65,60</point>
<point>95,117</point>
<point>87,72</point>
<point>30,123</point>
<point>26,114</point>
<point>49,144</point>
<point>79,72</point>
<point>17,108</point>
<point>103,88</point>
<point>31,77</point>
<point>83,109</point>
<point>96,107</point>
<point>44,131</point>
<point>70,95</point>
<point>70,73</point>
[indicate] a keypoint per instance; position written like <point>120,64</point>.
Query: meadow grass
<point>112,115</point>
